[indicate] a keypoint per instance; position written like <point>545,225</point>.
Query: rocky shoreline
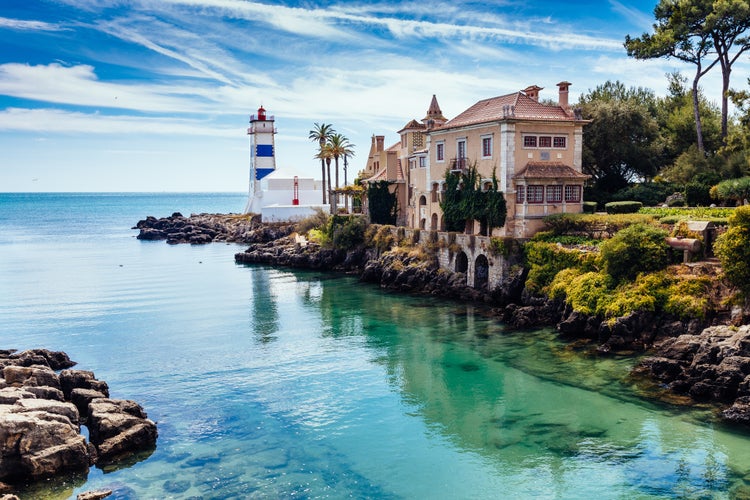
<point>44,403</point>
<point>706,359</point>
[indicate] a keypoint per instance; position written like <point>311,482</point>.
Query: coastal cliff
<point>701,356</point>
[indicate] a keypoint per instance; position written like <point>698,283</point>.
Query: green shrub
<point>737,190</point>
<point>346,232</point>
<point>688,298</point>
<point>648,193</point>
<point>697,194</point>
<point>380,237</point>
<point>545,260</point>
<point>637,248</point>
<point>623,207</point>
<point>733,249</point>
<point>593,225</point>
<point>318,220</point>
<point>586,292</point>
<point>589,207</point>
<point>504,246</point>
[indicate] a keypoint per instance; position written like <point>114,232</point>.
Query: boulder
<point>36,444</point>
<point>94,495</point>
<point>31,376</point>
<point>82,397</point>
<point>83,379</point>
<point>118,427</point>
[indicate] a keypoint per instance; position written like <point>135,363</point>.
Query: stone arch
<point>462,262</point>
<point>481,272</point>
<point>442,223</point>
<point>422,200</point>
<point>434,222</point>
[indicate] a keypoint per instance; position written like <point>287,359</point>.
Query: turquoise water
<point>269,383</point>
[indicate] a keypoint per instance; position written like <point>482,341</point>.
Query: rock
<point>94,495</point>
<point>83,379</point>
<point>712,366</point>
<point>9,395</point>
<point>36,444</point>
<point>31,376</point>
<point>739,412</point>
<point>45,392</point>
<point>118,427</point>
<point>82,397</point>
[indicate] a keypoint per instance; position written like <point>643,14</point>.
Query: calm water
<point>268,383</point>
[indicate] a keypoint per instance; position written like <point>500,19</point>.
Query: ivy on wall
<point>464,200</point>
<point>383,205</point>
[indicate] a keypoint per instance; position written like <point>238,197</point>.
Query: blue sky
<point>155,95</point>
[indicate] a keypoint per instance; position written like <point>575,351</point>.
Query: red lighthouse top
<point>261,114</point>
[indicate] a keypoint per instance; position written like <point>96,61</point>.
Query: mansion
<point>533,148</point>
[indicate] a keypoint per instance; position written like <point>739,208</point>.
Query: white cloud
<point>54,121</point>
<point>18,24</point>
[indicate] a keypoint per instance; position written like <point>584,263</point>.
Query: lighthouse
<point>262,156</point>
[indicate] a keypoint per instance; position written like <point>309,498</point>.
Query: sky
<point>156,95</point>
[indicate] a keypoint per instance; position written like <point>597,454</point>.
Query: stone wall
<point>466,253</point>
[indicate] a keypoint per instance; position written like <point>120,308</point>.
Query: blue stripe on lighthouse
<point>262,172</point>
<point>264,150</point>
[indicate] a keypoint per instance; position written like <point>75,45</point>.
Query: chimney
<point>562,100</point>
<point>381,140</point>
<point>532,92</point>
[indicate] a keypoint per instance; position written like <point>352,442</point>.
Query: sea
<point>285,384</point>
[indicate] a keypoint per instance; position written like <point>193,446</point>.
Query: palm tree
<point>337,143</point>
<point>326,155</point>
<point>347,152</point>
<point>320,134</point>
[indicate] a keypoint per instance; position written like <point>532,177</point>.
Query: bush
<point>545,260</point>
<point>648,193</point>
<point>697,194</point>
<point>737,190</point>
<point>346,232</point>
<point>318,220</point>
<point>733,249</point>
<point>623,207</point>
<point>593,224</point>
<point>637,248</point>
<point>589,207</point>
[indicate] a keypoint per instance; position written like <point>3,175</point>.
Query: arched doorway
<point>481,272</point>
<point>462,262</point>
<point>434,222</point>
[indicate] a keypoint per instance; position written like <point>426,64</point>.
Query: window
<point>554,194</point>
<point>545,141</point>
<point>573,194</point>
<point>487,147</point>
<point>535,194</point>
<point>461,148</point>
<point>440,154</point>
<point>422,162</point>
<point>520,194</point>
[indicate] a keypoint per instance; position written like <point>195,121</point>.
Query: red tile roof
<point>549,170</point>
<point>517,105</point>
<point>413,125</point>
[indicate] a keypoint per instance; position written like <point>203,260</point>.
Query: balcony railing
<point>459,164</point>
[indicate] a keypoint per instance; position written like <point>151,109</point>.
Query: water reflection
<point>526,402</point>
<point>264,314</point>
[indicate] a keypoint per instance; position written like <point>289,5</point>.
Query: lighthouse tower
<point>262,156</point>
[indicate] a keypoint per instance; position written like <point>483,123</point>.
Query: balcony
<point>459,165</point>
